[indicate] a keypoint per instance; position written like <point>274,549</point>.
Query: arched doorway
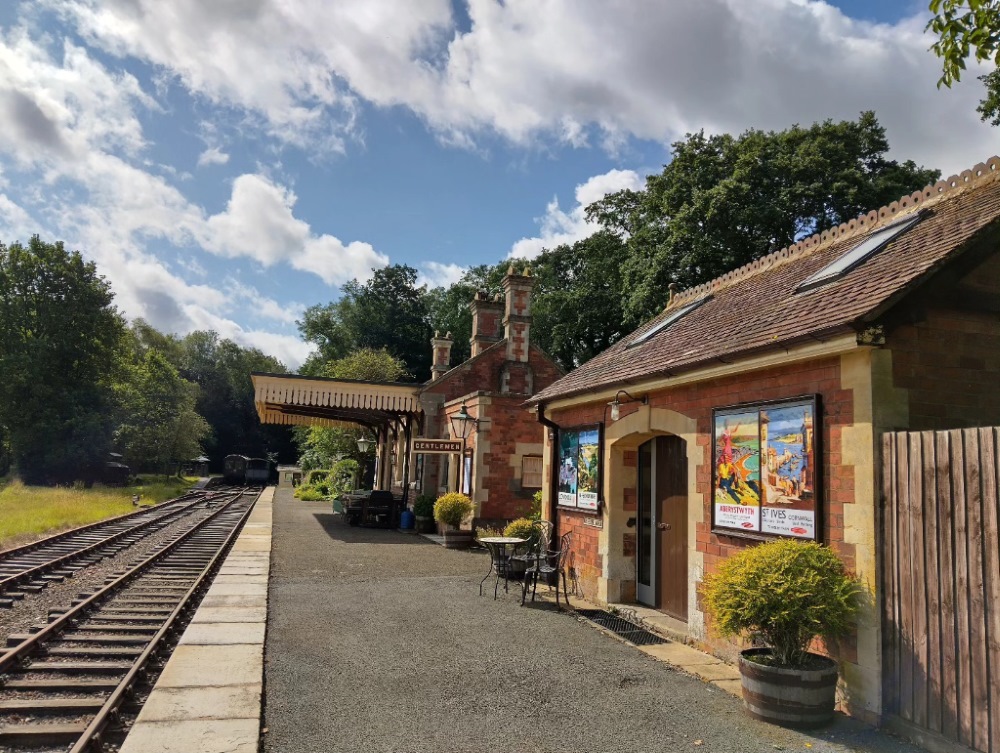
<point>662,527</point>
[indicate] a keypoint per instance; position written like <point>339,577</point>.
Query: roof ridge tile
<point>863,223</point>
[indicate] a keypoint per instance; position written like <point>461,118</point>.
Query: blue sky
<point>227,164</point>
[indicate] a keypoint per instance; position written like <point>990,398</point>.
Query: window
<point>531,472</point>
<point>861,252</point>
<point>673,317</point>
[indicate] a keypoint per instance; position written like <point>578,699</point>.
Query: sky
<point>228,163</point>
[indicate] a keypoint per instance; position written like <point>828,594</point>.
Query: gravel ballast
<point>378,641</point>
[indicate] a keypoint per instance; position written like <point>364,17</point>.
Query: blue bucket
<point>406,519</point>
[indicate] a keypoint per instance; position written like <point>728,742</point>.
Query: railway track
<point>65,686</point>
<point>30,568</point>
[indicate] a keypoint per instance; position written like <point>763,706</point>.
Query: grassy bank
<point>31,512</point>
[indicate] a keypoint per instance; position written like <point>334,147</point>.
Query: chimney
<point>517,314</point>
<point>441,350</point>
<point>486,318</point>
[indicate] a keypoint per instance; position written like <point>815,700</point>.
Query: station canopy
<point>292,400</point>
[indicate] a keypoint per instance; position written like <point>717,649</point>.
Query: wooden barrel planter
<point>458,539</point>
<point>790,697</point>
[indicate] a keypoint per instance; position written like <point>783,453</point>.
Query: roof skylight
<point>860,253</point>
<point>660,326</point>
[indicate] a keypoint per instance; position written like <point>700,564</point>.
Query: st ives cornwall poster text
<point>579,467</point>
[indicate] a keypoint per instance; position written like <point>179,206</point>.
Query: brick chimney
<point>441,350</point>
<point>487,316</point>
<point>517,313</point>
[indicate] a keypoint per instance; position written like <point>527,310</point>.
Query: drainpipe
<point>553,464</point>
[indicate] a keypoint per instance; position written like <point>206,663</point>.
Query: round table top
<point>502,540</point>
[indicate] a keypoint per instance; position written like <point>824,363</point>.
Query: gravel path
<point>378,641</point>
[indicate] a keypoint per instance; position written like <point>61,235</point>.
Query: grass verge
<point>28,513</point>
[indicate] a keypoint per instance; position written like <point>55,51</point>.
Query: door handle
<point>663,526</point>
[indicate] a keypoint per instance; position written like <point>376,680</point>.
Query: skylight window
<point>660,326</point>
<point>860,253</point>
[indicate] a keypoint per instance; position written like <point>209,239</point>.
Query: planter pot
<point>425,525</point>
<point>789,697</point>
<point>458,539</point>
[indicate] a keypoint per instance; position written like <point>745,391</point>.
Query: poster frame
<point>600,468</point>
<point>815,400</point>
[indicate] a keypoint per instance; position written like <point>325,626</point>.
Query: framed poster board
<point>579,477</point>
<point>765,469</point>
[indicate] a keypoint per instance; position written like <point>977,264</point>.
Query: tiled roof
<point>757,306</point>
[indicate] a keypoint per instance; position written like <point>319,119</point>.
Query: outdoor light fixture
<point>463,424</point>
<point>364,444</point>
<point>616,403</point>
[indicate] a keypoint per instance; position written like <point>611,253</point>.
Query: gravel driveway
<point>378,641</point>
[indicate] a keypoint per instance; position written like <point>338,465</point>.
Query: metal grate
<point>630,631</point>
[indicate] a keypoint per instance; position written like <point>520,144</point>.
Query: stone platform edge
<point>208,697</point>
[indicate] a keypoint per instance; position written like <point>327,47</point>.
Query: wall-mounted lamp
<point>616,403</point>
<point>364,444</point>
<point>463,424</point>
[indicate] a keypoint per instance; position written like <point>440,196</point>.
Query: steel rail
<point>118,695</point>
<point>13,581</point>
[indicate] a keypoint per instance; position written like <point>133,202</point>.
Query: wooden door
<point>671,525</point>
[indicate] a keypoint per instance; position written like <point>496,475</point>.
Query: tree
<point>725,200</point>
<point>159,424</point>
<point>448,308</point>
<point>967,27</point>
<point>389,311</point>
<point>319,446</point>
<point>60,345</point>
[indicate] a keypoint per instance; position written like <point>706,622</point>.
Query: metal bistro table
<point>499,559</point>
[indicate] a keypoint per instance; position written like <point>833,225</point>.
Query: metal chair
<point>554,561</point>
<point>537,545</point>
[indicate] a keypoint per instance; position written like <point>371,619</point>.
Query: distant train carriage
<point>258,471</point>
<point>234,469</point>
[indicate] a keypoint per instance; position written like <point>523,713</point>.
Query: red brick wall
<point>584,561</point>
<point>950,365</point>
<point>511,424</point>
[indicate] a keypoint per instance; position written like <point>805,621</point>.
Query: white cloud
<point>260,305</point>
<point>212,156</point>
<point>560,69</point>
<point>559,227</point>
<point>434,274</point>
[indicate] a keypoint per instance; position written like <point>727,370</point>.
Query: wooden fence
<point>941,586</point>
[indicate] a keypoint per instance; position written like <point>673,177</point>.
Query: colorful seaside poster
<point>737,470</point>
<point>588,468</point>
<point>787,441</point>
<point>569,455</point>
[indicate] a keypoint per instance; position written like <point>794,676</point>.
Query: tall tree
<point>60,345</point>
<point>968,28</point>
<point>725,200</point>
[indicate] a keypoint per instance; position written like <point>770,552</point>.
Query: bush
<point>423,506</point>
<point>787,591</point>
<point>522,528</point>
<point>310,493</point>
<point>536,506</point>
<point>452,508</point>
<point>314,477</point>
<point>486,532</point>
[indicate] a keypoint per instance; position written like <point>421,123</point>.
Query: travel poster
<point>737,470</point>
<point>787,444</point>
<point>588,468</point>
<point>569,456</point>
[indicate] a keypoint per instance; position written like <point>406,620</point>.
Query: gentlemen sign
<point>437,446</point>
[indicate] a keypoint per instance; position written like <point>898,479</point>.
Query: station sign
<point>437,446</point>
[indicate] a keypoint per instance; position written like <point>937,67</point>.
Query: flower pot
<point>458,539</point>
<point>789,697</point>
<point>425,525</point>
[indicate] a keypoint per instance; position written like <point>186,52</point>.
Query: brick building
<point>754,407</point>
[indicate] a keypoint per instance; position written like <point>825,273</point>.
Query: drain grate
<point>621,627</point>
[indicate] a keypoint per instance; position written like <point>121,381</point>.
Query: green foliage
<point>448,308</point>
<point>343,475</point>
<point>787,591</point>
<point>724,201</point>
<point>452,508</point>
<point>536,506</point>
<point>423,506</point>
<point>523,528</point>
<point>964,27</point>
<point>486,532</point>
<point>309,493</point>
<point>989,107</point>
<point>60,345</point>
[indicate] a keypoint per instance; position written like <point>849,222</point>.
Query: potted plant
<point>787,593</point>
<point>450,510</point>
<point>522,528</point>
<point>423,512</point>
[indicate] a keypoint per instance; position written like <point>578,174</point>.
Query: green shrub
<point>309,494</point>
<point>787,591</point>
<point>485,532</point>
<point>423,506</point>
<point>522,528</point>
<point>452,508</point>
<point>341,478</point>
<point>314,477</point>
<point>536,506</point>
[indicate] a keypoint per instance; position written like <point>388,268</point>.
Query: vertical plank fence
<point>941,587</point>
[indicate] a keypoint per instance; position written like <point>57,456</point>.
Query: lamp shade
<point>462,423</point>
<point>364,444</point>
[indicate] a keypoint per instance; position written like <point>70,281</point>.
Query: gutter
<point>553,462</point>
